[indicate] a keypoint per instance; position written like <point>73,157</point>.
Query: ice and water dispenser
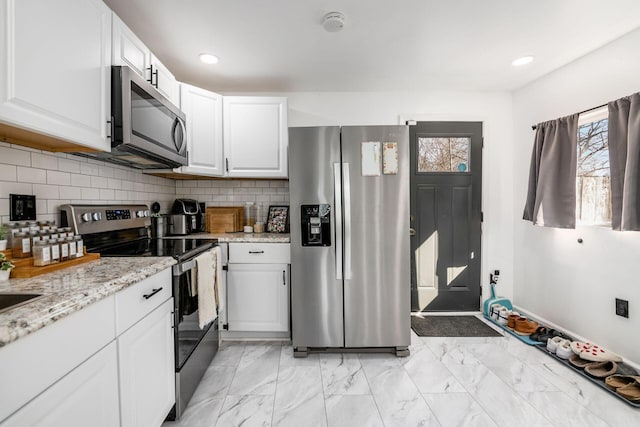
<point>316,225</point>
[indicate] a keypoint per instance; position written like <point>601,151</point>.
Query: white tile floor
<point>445,382</point>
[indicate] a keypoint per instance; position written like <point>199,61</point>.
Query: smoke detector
<point>333,21</point>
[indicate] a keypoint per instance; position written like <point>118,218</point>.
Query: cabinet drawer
<point>259,253</point>
<point>135,302</point>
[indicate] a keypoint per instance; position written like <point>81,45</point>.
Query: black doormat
<point>451,326</point>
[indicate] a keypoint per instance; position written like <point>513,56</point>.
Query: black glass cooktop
<point>178,248</point>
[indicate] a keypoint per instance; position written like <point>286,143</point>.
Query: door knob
<point>412,232</point>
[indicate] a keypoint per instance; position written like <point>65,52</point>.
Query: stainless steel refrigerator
<point>349,216</point>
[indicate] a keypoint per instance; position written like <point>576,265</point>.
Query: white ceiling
<point>401,45</point>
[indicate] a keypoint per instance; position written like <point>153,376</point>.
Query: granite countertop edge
<point>71,289</point>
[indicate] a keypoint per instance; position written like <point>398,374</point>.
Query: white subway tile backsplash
<point>8,173</point>
<point>44,161</point>
<point>11,156</point>
<point>69,165</point>
<point>90,193</point>
<point>45,191</point>
<point>27,174</point>
<point>58,178</point>
<point>67,192</point>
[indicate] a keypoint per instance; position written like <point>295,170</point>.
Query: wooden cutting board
<point>224,219</point>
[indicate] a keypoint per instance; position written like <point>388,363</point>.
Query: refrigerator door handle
<point>347,220</point>
<point>337,192</point>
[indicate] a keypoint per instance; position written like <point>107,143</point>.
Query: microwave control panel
<point>316,225</point>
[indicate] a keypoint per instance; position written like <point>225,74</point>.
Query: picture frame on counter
<point>278,219</point>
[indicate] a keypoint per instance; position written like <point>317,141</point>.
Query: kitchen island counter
<point>69,290</point>
<point>246,237</point>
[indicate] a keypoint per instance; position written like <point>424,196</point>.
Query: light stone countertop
<point>71,289</point>
<point>246,237</point>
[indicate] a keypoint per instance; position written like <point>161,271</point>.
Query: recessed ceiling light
<point>522,60</point>
<point>207,58</point>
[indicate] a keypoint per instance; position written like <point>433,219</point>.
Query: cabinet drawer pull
<point>256,252</point>
<point>284,278</point>
<point>153,292</point>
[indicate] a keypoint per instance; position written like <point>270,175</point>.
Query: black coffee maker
<point>193,212</point>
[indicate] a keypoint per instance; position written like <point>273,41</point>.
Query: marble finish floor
<point>496,381</point>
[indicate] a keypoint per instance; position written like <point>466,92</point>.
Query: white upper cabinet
<point>203,110</point>
<point>129,50</point>
<point>55,76</point>
<point>164,81</point>
<point>255,136</point>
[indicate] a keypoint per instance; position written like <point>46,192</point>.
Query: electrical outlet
<point>622,307</point>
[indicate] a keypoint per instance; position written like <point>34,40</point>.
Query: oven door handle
<point>183,267</point>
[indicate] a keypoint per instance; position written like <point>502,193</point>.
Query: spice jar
<point>12,229</point>
<point>64,249</point>
<point>21,245</point>
<point>72,247</point>
<point>41,253</point>
<point>55,251</point>
<point>79,246</point>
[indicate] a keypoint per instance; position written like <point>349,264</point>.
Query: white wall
<point>384,108</point>
<point>575,285</point>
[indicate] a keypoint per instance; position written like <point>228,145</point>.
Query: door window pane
<point>443,154</point>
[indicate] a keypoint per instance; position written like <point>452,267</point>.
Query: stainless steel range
<point>124,231</point>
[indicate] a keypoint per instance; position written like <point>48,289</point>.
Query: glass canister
<point>21,245</point>
<point>72,247</point>
<point>55,251</point>
<point>79,245</point>
<point>41,253</point>
<point>66,231</point>
<point>64,249</point>
<point>249,214</point>
<point>12,229</point>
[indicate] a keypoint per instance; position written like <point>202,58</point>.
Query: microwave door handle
<point>178,144</point>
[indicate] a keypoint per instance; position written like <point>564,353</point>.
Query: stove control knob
<point>139,214</point>
<point>146,213</point>
<point>85,217</point>
<point>96,216</point>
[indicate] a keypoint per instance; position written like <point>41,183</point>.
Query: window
<point>443,154</point>
<point>593,183</point>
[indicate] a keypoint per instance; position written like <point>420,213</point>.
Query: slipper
<point>536,336</point>
<point>593,352</point>
<point>580,363</point>
<point>631,392</point>
<point>616,381</point>
<point>601,369</point>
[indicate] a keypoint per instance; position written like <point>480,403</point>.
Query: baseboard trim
<point>446,313</point>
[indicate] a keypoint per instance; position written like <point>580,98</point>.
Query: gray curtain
<point>624,161</point>
<point>551,196</point>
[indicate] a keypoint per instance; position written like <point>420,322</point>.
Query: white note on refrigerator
<point>390,158</point>
<point>371,165</point>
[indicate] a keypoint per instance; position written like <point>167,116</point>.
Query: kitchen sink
<point>12,300</point>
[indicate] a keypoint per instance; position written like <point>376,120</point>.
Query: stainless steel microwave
<point>147,130</point>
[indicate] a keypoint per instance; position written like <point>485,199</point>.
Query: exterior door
<point>446,183</point>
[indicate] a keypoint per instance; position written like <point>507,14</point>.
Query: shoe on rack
<point>493,311</point>
<point>631,392</point>
<point>564,350</point>
<point>539,333</point>
<point>503,316</point>
<point>601,369</point>
<point>616,381</point>
<point>511,320</point>
<point>525,326</point>
<point>553,343</point>
<point>593,352</point>
<point>579,363</point>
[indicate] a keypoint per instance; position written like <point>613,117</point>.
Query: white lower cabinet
<point>86,396</point>
<point>147,381</point>
<point>258,297</point>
